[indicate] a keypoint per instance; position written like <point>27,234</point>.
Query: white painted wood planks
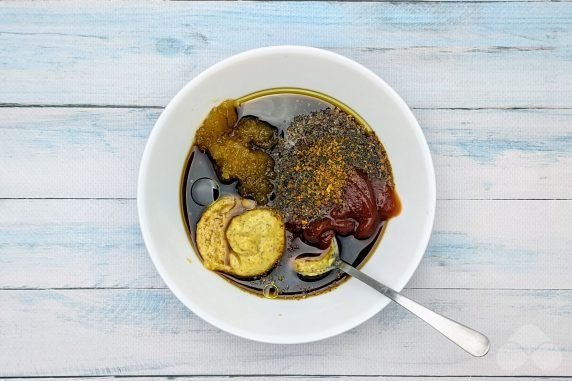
<point>489,262</point>
<point>438,54</point>
<point>149,332</point>
<point>95,153</point>
<point>96,243</point>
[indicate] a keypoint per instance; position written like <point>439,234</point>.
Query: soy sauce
<point>202,186</point>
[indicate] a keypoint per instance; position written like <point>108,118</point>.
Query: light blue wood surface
<point>81,85</point>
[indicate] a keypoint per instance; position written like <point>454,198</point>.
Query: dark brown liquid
<point>278,110</point>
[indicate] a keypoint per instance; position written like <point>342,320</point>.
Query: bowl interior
<point>219,302</point>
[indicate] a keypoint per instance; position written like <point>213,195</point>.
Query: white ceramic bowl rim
<point>224,305</point>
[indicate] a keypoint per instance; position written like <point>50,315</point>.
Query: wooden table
<point>81,85</point>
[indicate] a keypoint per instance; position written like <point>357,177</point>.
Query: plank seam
<point>400,1</point>
<point>166,289</point>
<point>156,107</point>
<point>134,199</point>
<point>174,376</point>
<point>78,105</point>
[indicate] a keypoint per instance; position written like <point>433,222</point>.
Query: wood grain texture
<point>95,153</point>
<point>434,54</point>
<point>97,243</point>
<point>490,83</point>
<point>149,332</point>
<point>291,378</point>
<point>73,243</point>
<point>72,152</point>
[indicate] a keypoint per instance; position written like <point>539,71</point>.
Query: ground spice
<point>314,161</point>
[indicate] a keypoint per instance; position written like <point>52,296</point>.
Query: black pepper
<point>313,162</point>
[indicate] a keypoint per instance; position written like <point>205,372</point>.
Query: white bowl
<point>216,300</point>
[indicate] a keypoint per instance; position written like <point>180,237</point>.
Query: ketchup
<point>365,205</point>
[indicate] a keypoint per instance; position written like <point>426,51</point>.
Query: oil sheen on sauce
<point>282,281</point>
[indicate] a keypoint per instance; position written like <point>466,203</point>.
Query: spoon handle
<point>471,341</point>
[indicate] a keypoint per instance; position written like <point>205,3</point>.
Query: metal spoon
<point>205,191</point>
<point>471,341</point>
